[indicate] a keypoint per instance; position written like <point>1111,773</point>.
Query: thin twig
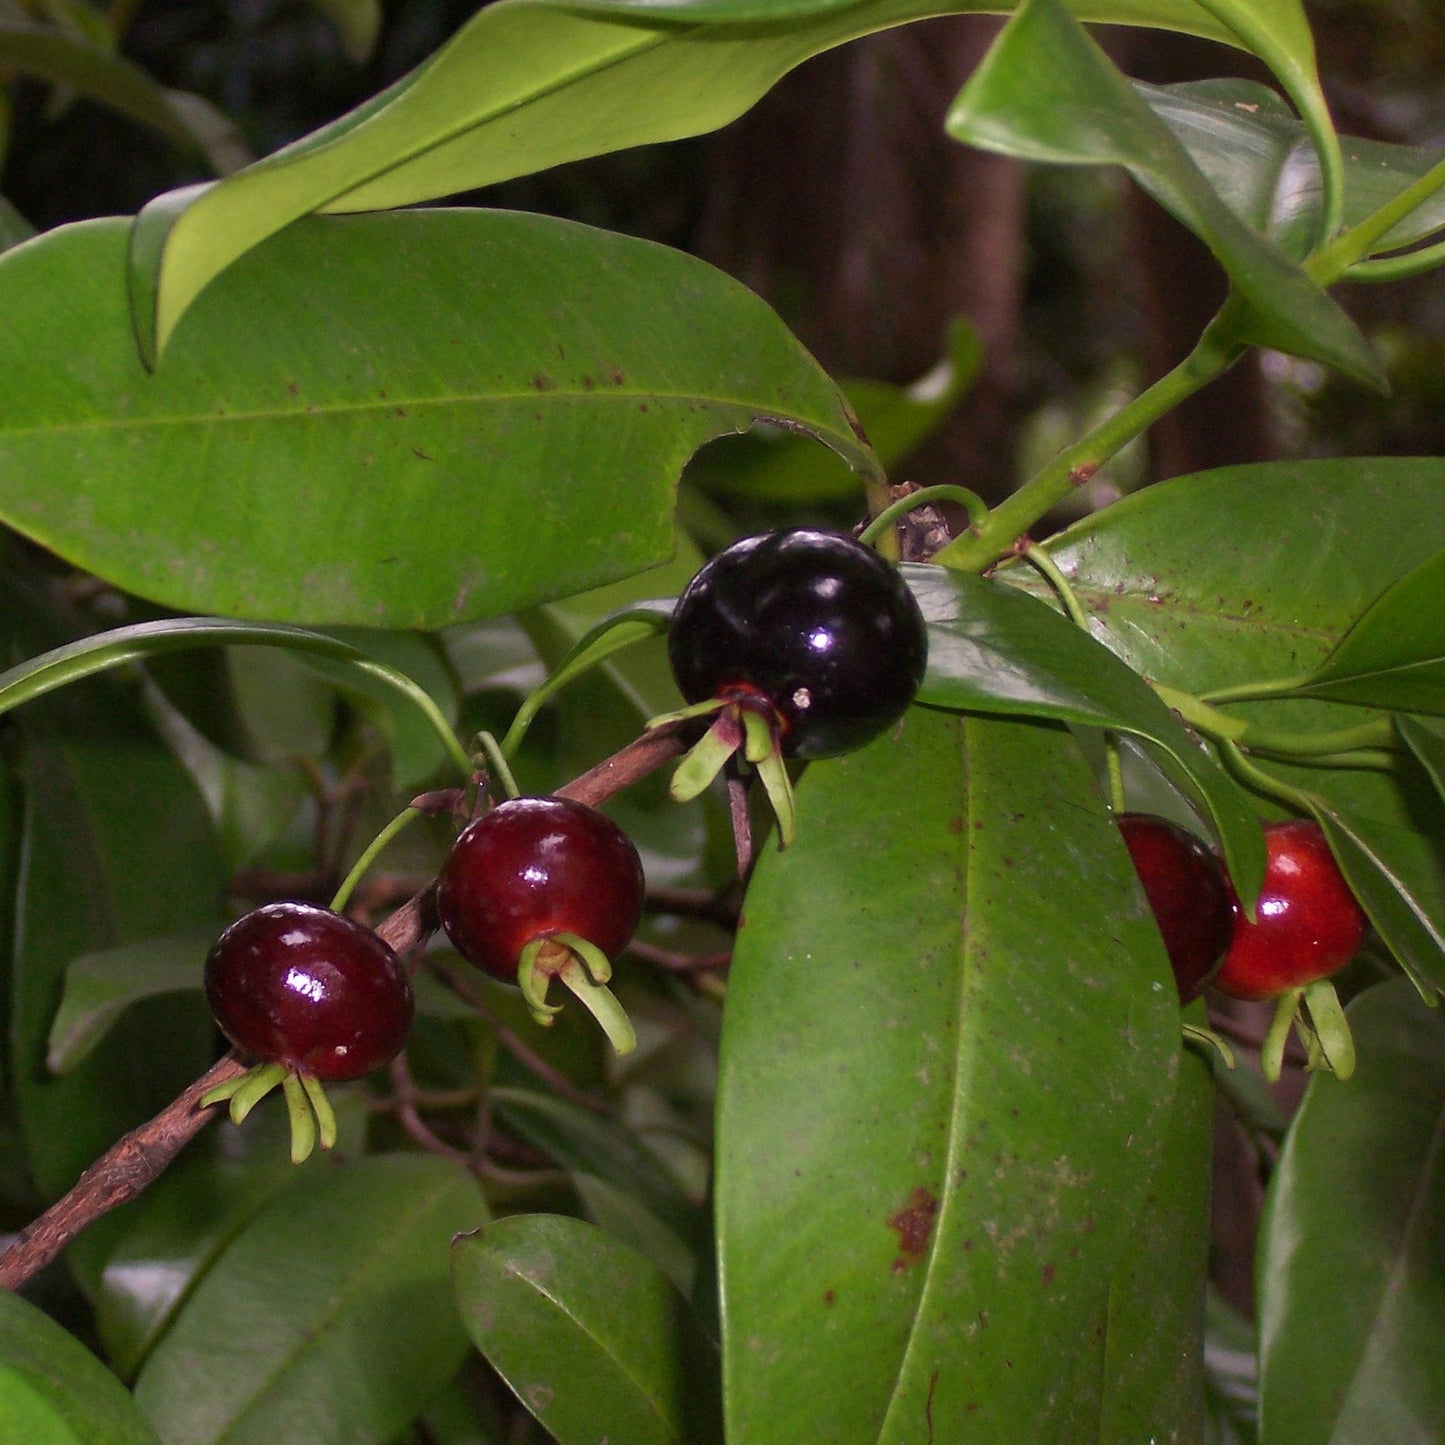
<point>118,1176</point>
<point>675,962</point>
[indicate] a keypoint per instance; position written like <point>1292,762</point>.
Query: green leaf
<point>1394,655</point>
<point>525,86</point>
<point>142,641</point>
<point>53,1391</point>
<point>358,22</point>
<point>1251,572</point>
<point>552,383</point>
<point>1257,155</point>
<point>995,650</point>
<point>100,986</point>
<point>594,1340</point>
<point>1047,92</point>
<point>769,465</point>
<point>99,73</point>
<point>950,1033</point>
<point>1351,1258</point>
<point>330,1312</point>
<point>116,848</point>
<point>1154,1365</point>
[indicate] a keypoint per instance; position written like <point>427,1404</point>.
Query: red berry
<point>808,627</point>
<point>1187,894</point>
<point>1308,924</point>
<point>536,867</point>
<point>299,985</point>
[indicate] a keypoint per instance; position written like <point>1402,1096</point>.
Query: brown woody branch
<point>136,1160</point>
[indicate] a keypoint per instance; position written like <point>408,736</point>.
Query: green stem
<point>1396,268</point>
<point>1053,574</point>
<point>497,763</point>
<point>1377,733</point>
<point>1352,246</point>
<point>1256,691</point>
<point>358,869</point>
<point>1266,783</point>
<point>943,492</point>
<point>1115,767</point>
<point>1075,465</point>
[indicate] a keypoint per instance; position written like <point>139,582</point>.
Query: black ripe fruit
<point>812,629</point>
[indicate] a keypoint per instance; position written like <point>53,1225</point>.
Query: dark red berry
<point>1187,893</point>
<point>810,627</point>
<point>295,984</point>
<point>536,867</point>
<point>1308,924</point>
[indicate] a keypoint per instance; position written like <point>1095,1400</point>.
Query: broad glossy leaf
<point>185,1220</point>
<point>525,86</point>
<point>53,1391</point>
<point>331,1313</point>
<point>1047,92</point>
<point>1352,1259</point>
<point>1250,572</point>
<point>992,649</point>
<point>1426,740</point>
<point>401,420</point>
<point>1257,155</point>
<point>1394,656</point>
<point>1154,1356</point>
<point>951,1035</point>
<point>100,986</point>
<point>593,1339</point>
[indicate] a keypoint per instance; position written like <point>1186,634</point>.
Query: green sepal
<point>252,1087</point>
<point>1271,1053</point>
<point>1206,1040</point>
<point>697,709</point>
<point>533,982</point>
<point>303,1120</point>
<point>596,962</point>
<point>1331,1027</point>
<point>602,1004</point>
<point>759,740</point>
<point>773,774</point>
<point>321,1107</point>
<point>706,758</point>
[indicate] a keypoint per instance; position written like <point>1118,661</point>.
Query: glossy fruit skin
<point>810,624</point>
<point>533,867</point>
<point>1308,924</point>
<point>299,985</point>
<point>1188,895</point>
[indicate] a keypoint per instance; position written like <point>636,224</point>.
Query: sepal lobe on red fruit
<point>544,888</point>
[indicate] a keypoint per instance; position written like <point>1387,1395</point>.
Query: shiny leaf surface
<point>594,1340</point>
<point>1352,1260</point>
<point>402,420</point>
<point>950,1035</point>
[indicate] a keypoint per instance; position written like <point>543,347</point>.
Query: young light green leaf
<point>88,656</point>
<point>53,1391</point>
<point>993,649</point>
<point>1047,92</point>
<point>949,1026</point>
<point>1394,655</point>
<point>525,86</point>
<point>331,1310</point>
<point>594,1339</point>
<point>553,381</point>
<point>1350,1258</point>
<point>100,986</point>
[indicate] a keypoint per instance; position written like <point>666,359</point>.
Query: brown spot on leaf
<point>543,382</point>
<point>914,1226</point>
